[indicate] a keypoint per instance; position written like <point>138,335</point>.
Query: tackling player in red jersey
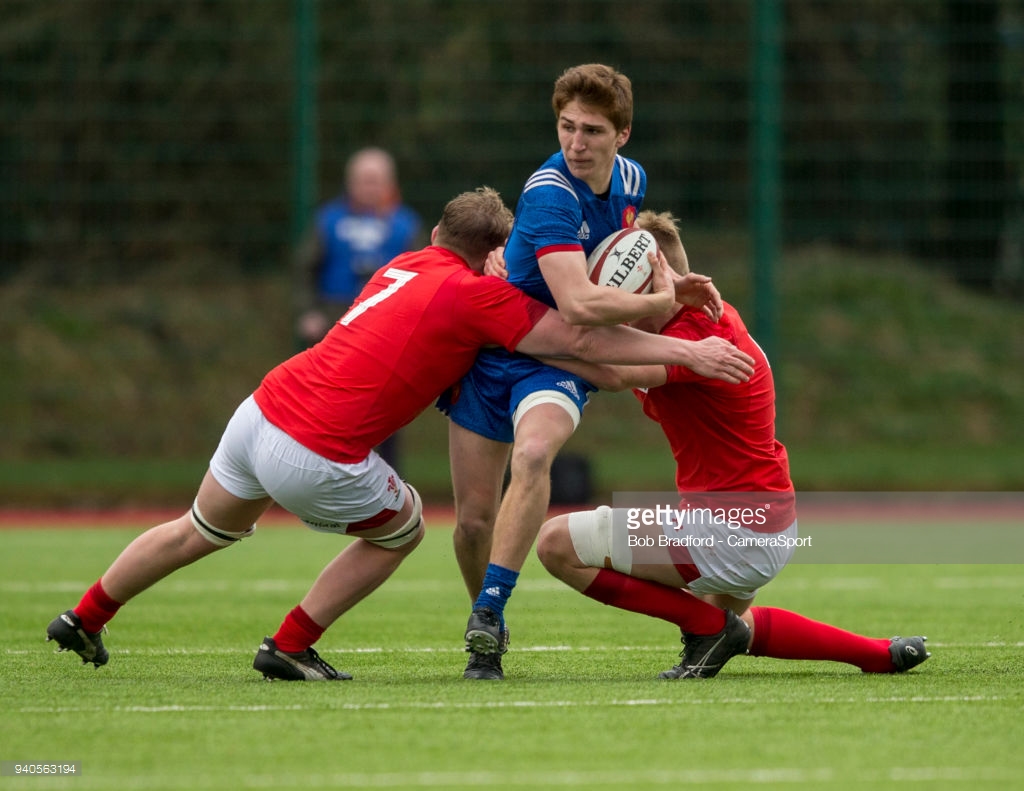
<point>304,439</point>
<point>733,532</point>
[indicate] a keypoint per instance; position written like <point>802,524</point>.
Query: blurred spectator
<point>353,235</point>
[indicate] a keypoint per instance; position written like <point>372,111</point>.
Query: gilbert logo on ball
<point>620,261</point>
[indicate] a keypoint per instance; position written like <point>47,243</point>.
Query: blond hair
<point>664,227</point>
<point>474,223</point>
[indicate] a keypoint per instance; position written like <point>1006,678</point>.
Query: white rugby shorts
<point>740,561</point>
<point>257,459</point>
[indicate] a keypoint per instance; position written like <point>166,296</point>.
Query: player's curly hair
<point>599,87</point>
<point>474,223</point>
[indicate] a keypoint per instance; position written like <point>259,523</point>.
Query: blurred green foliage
<point>889,377</point>
<point>147,213</point>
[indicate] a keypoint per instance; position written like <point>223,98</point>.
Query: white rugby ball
<point>620,261</point>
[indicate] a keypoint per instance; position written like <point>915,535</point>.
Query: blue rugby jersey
<point>558,211</point>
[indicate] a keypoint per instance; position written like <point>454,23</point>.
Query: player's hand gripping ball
<point>620,261</point>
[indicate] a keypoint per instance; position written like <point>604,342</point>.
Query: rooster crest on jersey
<point>620,261</point>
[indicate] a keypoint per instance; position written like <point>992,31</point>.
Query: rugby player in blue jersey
<point>580,195</point>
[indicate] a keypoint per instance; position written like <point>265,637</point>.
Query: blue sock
<point>498,584</point>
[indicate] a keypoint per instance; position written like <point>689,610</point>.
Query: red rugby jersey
<point>722,435</point>
<point>413,332</point>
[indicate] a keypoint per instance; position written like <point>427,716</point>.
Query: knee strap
<point>406,532</point>
<point>220,538</point>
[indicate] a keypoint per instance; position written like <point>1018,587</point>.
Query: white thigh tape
<point>220,538</point>
<point>547,397</point>
<point>597,542</point>
<point>409,530</point>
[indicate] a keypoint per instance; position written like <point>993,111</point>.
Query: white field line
<point>620,778</point>
<point>530,585</point>
<point>595,649</point>
<point>175,708</point>
<point>638,778</point>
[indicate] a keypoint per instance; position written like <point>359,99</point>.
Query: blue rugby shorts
<point>486,398</point>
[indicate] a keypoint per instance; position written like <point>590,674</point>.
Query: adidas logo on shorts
<point>570,386</point>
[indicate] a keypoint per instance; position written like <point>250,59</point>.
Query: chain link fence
<point>156,133</point>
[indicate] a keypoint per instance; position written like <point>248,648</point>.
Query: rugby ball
<point>620,261</point>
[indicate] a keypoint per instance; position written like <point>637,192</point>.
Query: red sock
<point>670,604</point>
<point>787,635</point>
<point>298,632</point>
<point>96,608</point>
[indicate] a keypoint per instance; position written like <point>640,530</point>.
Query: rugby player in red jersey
<point>735,528</point>
<point>305,438</point>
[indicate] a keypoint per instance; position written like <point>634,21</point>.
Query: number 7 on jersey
<point>400,276</point>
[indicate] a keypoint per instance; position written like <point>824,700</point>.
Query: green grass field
<point>179,706</point>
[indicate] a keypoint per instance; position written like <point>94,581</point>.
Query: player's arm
<point>305,263</point>
<point>613,378</point>
<point>583,302</point>
<point>714,358</point>
<point>311,322</point>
